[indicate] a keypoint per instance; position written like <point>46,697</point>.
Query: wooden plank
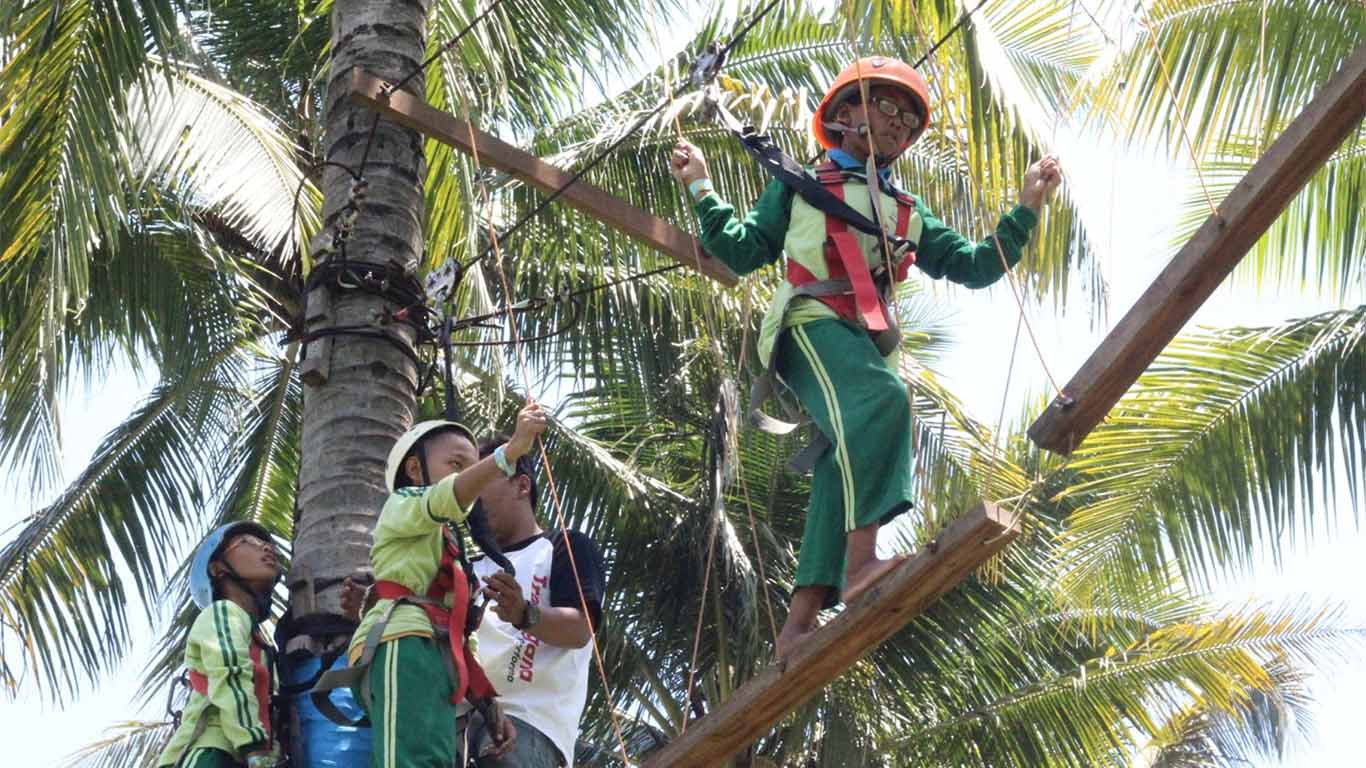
<point>885,608</point>
<point>407,109</point>
<point>1206,259</point>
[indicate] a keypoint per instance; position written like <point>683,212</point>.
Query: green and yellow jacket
<point>782,222</point>
<point>407,549</point>
<point>230,665</point>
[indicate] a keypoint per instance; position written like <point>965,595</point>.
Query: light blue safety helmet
<point>201,583</point>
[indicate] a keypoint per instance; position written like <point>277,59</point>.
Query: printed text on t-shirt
<point>522,665</point>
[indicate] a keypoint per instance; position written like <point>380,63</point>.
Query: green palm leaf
<point>130,744</point>
<point>1314,247</point>
<point>224,155</point>
<point>60,579</point>
<point>65,89</point>
<point>1081,716</point>
<point>1236,94</point>
<point>1220,448</point>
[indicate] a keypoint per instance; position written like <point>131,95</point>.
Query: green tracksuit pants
<point>411,710</point>
<point>209,758</point>
<point>861,405</point>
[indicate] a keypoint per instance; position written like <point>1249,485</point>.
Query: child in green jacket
<point>829,334</point>
<point>226,723</point>
<point>413,635</point>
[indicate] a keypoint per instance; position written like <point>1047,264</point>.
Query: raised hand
<point>1042,178</point>
<point>531,422</point>
<point>687,164</point>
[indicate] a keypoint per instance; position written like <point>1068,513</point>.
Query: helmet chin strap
<point>422,463</point>
<point>262,602</point>
<point>861,129</point>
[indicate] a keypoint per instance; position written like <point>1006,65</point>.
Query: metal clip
<point>441,281</point>
<point>707,66</point>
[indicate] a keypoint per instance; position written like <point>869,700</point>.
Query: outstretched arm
<point>743,244</point>
<point>942,252</point>
<point>417,511</point>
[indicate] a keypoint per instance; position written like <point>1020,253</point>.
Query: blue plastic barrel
<point>324,743</point>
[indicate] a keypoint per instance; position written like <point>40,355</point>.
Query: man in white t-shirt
<point>535,639</point>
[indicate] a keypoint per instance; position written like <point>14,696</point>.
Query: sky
<point>1327,569</point>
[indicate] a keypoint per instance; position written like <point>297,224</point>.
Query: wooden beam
<point>1206,259</point>
<point>885,608</point>
<point>407,109</point>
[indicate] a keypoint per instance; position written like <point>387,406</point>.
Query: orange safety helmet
<point>874,70</point>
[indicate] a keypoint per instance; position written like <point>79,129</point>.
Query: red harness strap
<point>450,580</point>
<point>844,259</point>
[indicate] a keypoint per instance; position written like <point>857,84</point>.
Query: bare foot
<point>858,582</point>
<point>790,638</point>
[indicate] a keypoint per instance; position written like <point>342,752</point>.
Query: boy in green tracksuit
<point>226,723</point>
<point>413,634</point>
<point>829,334</point>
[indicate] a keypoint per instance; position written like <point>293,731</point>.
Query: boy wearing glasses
<point>828,334</point>
<point>226,722</point>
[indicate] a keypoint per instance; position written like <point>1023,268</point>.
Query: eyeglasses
<point>247,538</point>
<point>908,117</point>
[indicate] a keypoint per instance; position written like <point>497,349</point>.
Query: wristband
<point>500,458</point>
<point>699,187</point>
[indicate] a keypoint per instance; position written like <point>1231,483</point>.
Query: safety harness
<point>454,624</point>
<point>855,292</point>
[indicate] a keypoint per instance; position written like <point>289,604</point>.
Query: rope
<point>1096,23</point>
<point>946,35</point>
<point>441,50</point>
<point>1261,77</point>
<point>758,551</point>
<point>618,142</point>
<point>1005,265</point>
<point>719,490</point>
<point>1058,114</point>
<point>701,610</point>
<point>1180,111</point>
<point>1005,391</point>
<point>871,170</point>
<point>541,302</point>
<point>545,462</point>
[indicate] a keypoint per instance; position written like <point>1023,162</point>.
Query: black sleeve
<point>564,591</point>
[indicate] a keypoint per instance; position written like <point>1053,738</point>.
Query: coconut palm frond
<point>63,593</point>
<point>224,155</point>
<point>1315,246</point>
<point>194,152</point>
<point>1203,736</point>
<point>130,744</point>
<point>65,88</point>
<point>1211,55</point>
<point>1219,449</point>
<point>1224,662</point>
<point>1233,89</point>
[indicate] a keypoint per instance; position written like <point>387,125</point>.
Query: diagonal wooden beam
<point>886,607</point>
<point>1206,259</point>
<point>407,109</point>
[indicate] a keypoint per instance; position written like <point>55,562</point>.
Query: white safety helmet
<point>422,429</point>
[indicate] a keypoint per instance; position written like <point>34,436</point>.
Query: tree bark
<point>359,395</point>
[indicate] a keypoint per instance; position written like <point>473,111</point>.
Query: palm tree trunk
<point>360,390</point>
